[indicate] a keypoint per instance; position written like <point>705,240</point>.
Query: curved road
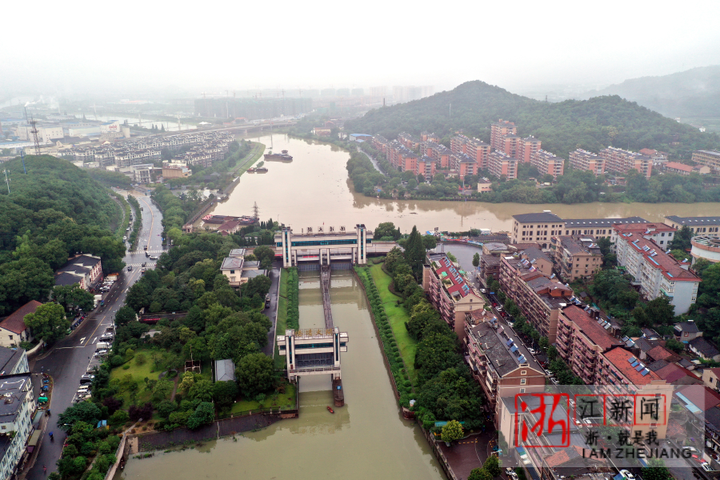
<point>70,357</point>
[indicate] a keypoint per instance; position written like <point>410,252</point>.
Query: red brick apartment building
<point>581,340</point>
<point>500,164</point>
<point>380,144</point>
<point>622,161</point>
<point>584,160</point>
<point>474,148</point>
<point>426,167</point>
<point>500,363</point>
<point>529,146</point>
<point>409,141</point>
<point>512,146</point>
<point>498,131</point>
<point>547,163</point>
<point>539,298</point>
<point>463,164</point>
<point>439,153</point>
<point>449,292</point>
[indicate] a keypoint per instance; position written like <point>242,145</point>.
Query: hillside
<point>692,93</point>
<point>590,124</point>
<point>52,212</point>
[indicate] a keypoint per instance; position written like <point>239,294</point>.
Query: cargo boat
<point>282,157</point>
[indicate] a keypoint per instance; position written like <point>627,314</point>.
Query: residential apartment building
<point>678,168</point>
<point>659,233</point>
<point>708,226</point>
<point>426,167</point>
<point>439,153</point>
<point>142,173</point>
<point>409,141</point>
<point>528,147</point>
<point>622,161</point>
<point>500,164</point>
<point>541,227</point>
<point>583,160</point>
<point>13,330</point>
<point>547,163</point>
<point>620,367</point>
<point>657,157</point>
<point>576,257</point>
<point>463,164</point>
<point>500,363</point>
<point>711,158</point>
<point>380,144</point>
<point>479,151</point>
<point>13,361</point>
<point>16,412</point>
<point>511,146</point>
<point>498,131</point>
<point>451,294</point>
<point>85,270</point>
<point>581,341</point>
<point>539,298</point>
<point>655,271</point>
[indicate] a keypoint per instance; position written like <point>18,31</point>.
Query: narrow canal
<point>366,439</point>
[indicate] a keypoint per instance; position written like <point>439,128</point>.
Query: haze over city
<point>143,47</point>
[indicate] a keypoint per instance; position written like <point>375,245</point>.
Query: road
<point>271,311</point>
<point>70,357</point>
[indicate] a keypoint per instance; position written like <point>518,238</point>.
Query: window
<point>522,390</point>
<point>523,381</point>
<point>10,336</point>
<point>523,372</point>
<point>232,271</point>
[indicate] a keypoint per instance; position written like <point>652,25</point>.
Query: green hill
<point>51,213</point>
<point>590,124</point>
<point>693,93</point>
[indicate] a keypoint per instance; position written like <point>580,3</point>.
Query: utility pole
<point>34,132</point>
<point>7,181</point>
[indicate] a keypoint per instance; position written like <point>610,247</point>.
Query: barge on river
<point>281,157</point>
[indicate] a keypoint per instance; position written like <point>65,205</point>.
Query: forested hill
<point>52,212</point>
<point>693,93</point>
<point>590,124</point>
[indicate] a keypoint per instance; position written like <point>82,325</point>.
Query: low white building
<point>16,412</point>
<point>13,330</point>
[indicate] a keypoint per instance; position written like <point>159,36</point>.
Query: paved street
<point>271,311</point>
<point>70,357</point>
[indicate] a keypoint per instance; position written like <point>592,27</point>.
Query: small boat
<point>330,409</point>
<point>283,157</point>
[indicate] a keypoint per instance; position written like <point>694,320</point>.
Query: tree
<point>682,239</point>
<point>429,242</point>
<point>265,256</point>
<point>204,414</point>
<point>255,374</point>
<point>72,296</point>
<point>124,316</point>
<point>452,431</point>
<point>387,231</point>
<point>492,466</point>
<point>225,393</point>
<point>80,412</point>
<point>201,390</point>
<point>675,345</point>
<point>476,260</point>
<point>415,252</point>
<point>656,470</point>
<point>48,322</point>
<point>479,474</point>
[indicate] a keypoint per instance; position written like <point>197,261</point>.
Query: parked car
<point>706,466</point>
<point>627,474</point>
<point>532,351</point>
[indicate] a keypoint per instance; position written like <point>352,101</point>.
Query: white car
<point>532,351</point>
<point>627,474</point>
<point>706,466</point>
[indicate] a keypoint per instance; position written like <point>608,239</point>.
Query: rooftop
<point>232,263</point>
<point>679,166</point>
<point>628,365</point>
<point>602,222</point>
<point>579,244</point>
<point>704,347</point>
<point>543,217</point>
<point>14,322</point>
<point>9,358</point>
<point>224,370</point>
<point>646,228</point>
<point>13,388</point>
<point>656,257</point>
<point>590,328</point>
<point>503,349</point>
<point>450,277</point>
<point>687,327</point>
<point>694,220</point>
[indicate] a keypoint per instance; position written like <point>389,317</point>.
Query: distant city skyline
<point>149,48</point>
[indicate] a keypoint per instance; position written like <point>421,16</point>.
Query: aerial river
<point>314,190</point>
<point>365,439</point>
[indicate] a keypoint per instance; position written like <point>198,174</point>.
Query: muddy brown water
<point>365,439</point>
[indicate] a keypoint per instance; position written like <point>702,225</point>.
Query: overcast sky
<point>124,46</point>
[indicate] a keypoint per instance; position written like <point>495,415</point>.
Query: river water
<point>365,439</point>
<point>314,189</point>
